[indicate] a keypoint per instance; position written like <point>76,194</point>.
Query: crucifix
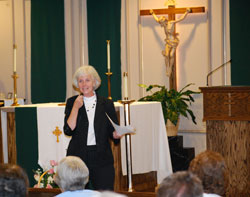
<point>171,35</point>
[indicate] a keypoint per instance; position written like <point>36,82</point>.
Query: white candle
<point>125,85</point>
<point>108,55</point>
<point>14,66</point>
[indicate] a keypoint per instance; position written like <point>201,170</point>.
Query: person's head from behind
<point>84,76</point>
<point>72,174</point>
<point>210,167</point>
<point>13,180</point>
<point>180,184</point>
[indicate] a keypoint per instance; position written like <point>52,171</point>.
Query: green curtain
<point>48,67</point>
<point>27,140</point>
<point>104,22</point>
<point>240,42</point>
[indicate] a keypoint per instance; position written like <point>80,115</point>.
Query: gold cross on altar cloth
<point>171,11</point>
<point>57,132</point>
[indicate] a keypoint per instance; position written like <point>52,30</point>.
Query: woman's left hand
<point>116,135</point>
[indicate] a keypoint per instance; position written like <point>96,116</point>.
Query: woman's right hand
<point>74,112</point>
<point>78,102</point>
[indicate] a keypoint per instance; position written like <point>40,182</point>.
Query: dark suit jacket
<point>103,130</point>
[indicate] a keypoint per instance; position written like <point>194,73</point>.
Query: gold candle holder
<point>15,101</point>
<point>126,103</point>
<point>109,84</point>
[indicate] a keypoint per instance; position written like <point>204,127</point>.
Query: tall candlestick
<point>125,74</point>
<point>14,63</point>
<point>126,103</point>
<point>108,55</point>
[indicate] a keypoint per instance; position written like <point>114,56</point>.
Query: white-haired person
<point>87,123</point>
<point>71,176</point>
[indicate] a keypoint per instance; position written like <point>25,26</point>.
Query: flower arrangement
<point>45,179</point>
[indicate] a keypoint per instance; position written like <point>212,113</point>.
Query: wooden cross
<point>57,132</point>
<point>171,11</point>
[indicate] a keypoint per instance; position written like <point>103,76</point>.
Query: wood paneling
<point>226,103</point>
<point>11,135</point>
<point>141,182</point>
<point>227,115</point>
<point>1,141</point>
<point>42,192</point>
<point>231,139</point>
<point>116,149</point>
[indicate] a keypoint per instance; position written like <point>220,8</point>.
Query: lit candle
<point>14,66</point>
<point>125,84</point>
<point>108,55</point>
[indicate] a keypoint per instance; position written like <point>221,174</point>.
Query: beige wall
<point>6,47</point>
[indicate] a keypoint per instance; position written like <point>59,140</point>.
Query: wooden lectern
<point>227,116</point>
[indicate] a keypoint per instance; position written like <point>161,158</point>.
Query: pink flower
<point>36,186</point>
<point>53,163</point>
<point>51,171</point>
<point>49,186</point>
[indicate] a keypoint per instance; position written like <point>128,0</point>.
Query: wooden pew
<point>42,192</point>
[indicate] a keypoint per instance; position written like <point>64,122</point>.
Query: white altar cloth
<point>150,149</point>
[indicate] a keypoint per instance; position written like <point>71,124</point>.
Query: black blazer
<point>103,130</point>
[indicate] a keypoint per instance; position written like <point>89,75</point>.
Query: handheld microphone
<point>217,69</point>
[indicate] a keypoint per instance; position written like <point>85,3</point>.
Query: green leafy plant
<point>174,103</point>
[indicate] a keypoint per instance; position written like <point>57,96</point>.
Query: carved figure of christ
<point>172,40</point>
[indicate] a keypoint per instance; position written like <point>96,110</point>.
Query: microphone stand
<point>217,69</point>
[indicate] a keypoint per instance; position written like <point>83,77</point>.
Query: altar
<point>36,141</point>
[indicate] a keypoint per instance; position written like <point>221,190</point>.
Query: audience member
<point>210,167</point>
<point>180,184</point>
<point>14,181</point>
<point>72,175</point>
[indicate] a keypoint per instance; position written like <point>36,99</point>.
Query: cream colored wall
<point>6,47</point>
<point>76,42</point>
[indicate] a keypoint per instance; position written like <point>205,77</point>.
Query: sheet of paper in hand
<point>122,130</point>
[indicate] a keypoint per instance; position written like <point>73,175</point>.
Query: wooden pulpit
<point>227,116</point>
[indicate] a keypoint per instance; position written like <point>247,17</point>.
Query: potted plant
<point>174,103</point>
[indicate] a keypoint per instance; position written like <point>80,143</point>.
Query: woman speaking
<point>86,121</point>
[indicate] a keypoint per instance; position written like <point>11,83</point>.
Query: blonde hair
<point>87,70</point>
